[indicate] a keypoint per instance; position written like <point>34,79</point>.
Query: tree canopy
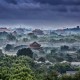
<point>26,52</point>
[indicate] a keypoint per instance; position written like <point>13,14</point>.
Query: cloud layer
<point>49,10</point>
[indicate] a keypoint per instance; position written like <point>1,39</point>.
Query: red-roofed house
<point>4,30</point>
<point>35,45</point>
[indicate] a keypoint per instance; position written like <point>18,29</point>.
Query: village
<point>49,47</point>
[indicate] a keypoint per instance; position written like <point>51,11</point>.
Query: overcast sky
<point>40,13</point>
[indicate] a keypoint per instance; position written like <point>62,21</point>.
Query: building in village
<point>71,72</point>
<point>38,32</point>
<point>77,64</point>
<point>35,45</point>
<point>5,30</point>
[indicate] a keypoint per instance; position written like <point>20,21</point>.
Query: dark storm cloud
<point>11,1</point>
<point>60,2</point>
<point>38,9</point>
<point>52,2</point>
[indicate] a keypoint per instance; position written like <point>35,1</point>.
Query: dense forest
<point>24,68</point>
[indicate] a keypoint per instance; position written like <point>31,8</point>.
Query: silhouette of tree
<point>25,51</point>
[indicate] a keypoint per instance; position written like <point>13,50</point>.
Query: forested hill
<point>23,68</point>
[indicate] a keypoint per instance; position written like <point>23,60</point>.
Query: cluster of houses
<point>36,46</point>
<point>39,32</point>
<point>5,30</point>
<point>68,31</point>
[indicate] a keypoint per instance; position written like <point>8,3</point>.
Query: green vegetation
<point>25,39</point>
<point>64,48</point>
<point>16,68</point>
<point>24,68</point>
<point>11,37</point>
<point>8,47</point>
<point>25,52</point>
